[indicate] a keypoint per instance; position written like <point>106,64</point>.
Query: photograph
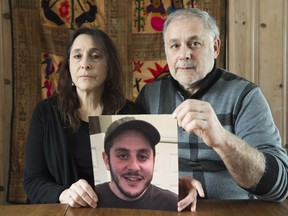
<point>135,160</point>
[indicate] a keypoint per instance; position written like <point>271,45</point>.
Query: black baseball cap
<point>147,129</point>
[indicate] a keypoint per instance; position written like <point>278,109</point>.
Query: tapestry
<point>40,29</point>
<point>149,16</point>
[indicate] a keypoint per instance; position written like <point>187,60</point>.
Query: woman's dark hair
<point>113,96</point>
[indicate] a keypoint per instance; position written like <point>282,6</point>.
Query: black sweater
<point>53,158</point>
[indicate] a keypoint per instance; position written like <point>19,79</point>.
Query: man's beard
<point>122,190</point>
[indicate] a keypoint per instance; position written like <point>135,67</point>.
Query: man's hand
<point>198,117</point>
<point>245,163</point>
<point>79,194</point>
<point>189,188</point>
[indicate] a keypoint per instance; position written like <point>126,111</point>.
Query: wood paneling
<point>242,48</point>
<point>257,50</point>
<point>272,63</point>
<point>5,95</point>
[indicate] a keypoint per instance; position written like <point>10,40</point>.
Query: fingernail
<point>173,115</point>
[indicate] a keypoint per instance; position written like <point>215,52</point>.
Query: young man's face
<point>131,164</point>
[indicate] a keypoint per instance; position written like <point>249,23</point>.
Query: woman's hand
<point>189,188</point>
<point>79,194</point>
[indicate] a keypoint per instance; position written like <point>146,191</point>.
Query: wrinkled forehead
<point>181,24</point>
<point>187,21</point>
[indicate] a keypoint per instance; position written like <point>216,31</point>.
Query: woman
<point>58,156</point>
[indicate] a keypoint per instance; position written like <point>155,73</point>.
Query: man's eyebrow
<point>144,150</point>
<point>193,37</point>
<point>122,149</point>
<point>172,40</point>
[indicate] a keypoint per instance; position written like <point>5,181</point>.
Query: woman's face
<point>87,64</point>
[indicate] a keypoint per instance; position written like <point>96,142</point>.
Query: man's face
<point>131,164</point>
<point>190,50</point>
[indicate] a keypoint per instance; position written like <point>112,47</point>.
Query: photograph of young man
<point>129,155</point>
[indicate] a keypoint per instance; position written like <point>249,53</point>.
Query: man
<point>129,155</point>
<point>227,138</point>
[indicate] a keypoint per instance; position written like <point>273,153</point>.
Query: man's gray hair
<point>208,21</point>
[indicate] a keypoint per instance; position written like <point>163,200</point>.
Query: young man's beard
<point>123,191</point>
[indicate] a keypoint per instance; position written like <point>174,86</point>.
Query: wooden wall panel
<point>5,96</point>
<point>242,45</point>
<point>272,62</point>
<point>257,50</point>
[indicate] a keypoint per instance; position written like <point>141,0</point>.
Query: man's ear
<point>217,45</point>
<point>106,160</point>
